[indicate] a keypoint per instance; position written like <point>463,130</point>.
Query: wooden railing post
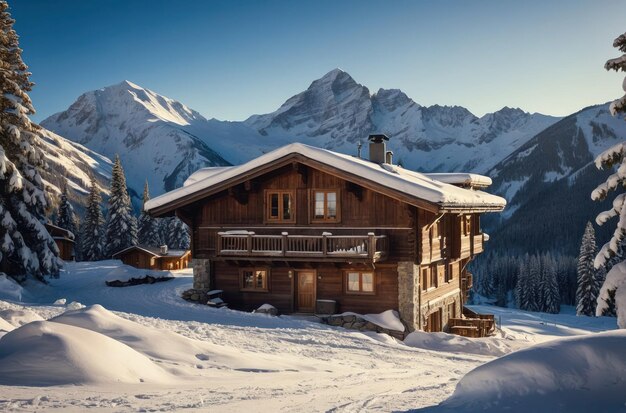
<point>283,242</point>
<point>371,244</point>
<point>250,243</point>
<point>219,244</point>
<point>325,243</point>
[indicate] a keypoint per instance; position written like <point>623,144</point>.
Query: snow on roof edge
<point>411,183</point>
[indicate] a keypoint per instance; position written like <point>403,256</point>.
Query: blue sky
<point>232,59</point>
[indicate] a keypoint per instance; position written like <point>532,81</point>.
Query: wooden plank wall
<point>360,208</point>
<point>330,286</point>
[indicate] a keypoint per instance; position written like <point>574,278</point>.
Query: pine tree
<point>92,245</point>
<point>617,64</point>
<point>548,286</point>
<point>589,281</point>
<point>66,218</point>
<point>26,245</point>
<point>121,228</point>
<point>521,287</point>
<point>149,227</point>
<point>614,156</point>
<point>176,233</point>
<point>78,242</point>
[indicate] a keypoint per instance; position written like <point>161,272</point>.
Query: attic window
<point>325,205</point>
<point>280,206</point>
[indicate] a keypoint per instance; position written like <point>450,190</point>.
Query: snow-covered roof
<point>203,173</point>
<point>412,184</point>
<point>462,178</point>
<point>155,251</point>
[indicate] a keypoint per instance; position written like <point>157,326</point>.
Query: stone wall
<point>354,322</point>
<point>201,274</point>
<point>408,294</point>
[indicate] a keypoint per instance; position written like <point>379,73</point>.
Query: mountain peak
<point>333,74</point>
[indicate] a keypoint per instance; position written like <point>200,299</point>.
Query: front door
<point>305,292</point>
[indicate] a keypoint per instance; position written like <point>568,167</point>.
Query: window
<point>467,225</point>
<point>433,277</point>
<point>254,279</point>
<point>453,269</point>
<point>280,206</point>
<point>425,278</point>
<point>358,282</point>
<point>325,205</point>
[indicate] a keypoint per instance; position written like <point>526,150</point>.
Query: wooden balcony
<point>325,247</point>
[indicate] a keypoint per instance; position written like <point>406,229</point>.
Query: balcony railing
<point>472,324</point>
<point>248,244</point>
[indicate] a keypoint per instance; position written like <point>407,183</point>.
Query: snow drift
<point>44,353</point>
<point>579,374</point>
<point>488,346</point>
<point>19,317</point>
<point>173,351</point>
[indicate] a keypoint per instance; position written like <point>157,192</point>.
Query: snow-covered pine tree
<point>614,156</point>
<point>176,233</point>
<point>66,218</point>
<point>121,228</point>
<point>588,277</point>
<point>548,286</point>
<point>92,243</point>
<point>78,242</point>
<point>149,227</point>
<point>617,64</point>
<point>26,246</point>
<point>521,287</point>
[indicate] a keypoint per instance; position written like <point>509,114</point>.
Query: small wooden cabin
<point>301,227</point>
<point>64,240</point>
<point>151,258</point>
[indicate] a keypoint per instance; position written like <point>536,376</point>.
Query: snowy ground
<point>196,358</point>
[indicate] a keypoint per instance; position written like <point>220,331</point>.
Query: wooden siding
<point>66,249</point>
<point>141,259</point>
<point>360,211</point>
<point>331,285</point>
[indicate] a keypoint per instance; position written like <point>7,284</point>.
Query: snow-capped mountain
<point>154,136</point>
<point>336,112</point>
<point>548,182</point>
<point>561,150</point>
<point>72,164</point>
<point>164,141</point>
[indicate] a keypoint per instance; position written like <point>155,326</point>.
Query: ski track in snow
<point>343,370</point>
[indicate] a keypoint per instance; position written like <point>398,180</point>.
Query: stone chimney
<point>378,149</point>
<point>163,249</point>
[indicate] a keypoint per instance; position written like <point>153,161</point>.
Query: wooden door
<point>305,292</point>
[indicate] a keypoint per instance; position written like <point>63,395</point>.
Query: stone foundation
<point>195,296</point>
<point>201,274</point>
<point>353,322</point>
<point>408,294</point>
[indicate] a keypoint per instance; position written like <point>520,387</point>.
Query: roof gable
<point>408,186</point>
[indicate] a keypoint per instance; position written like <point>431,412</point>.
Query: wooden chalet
<point>151,258</point>
<point>301,227</point>
<point>64,240</point>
